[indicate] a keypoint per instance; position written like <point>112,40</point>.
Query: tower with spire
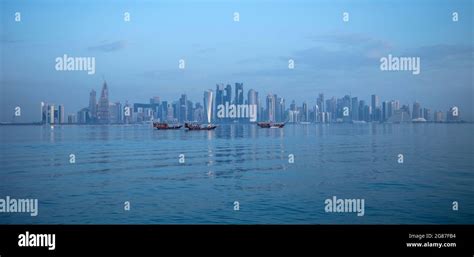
<point>103,108</point>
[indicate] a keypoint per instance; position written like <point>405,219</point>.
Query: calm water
<point>241,163</point>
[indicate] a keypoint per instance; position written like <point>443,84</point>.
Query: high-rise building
<point>252,99</point>
<point>239,93</point>
<point>416,111</point>
<point>293,105</point>
<point>355,108</point>
<point>385,110</point>
<point>52,114</point>
<point>176,110</point>
<point>199,113</point>
<point>103,108</point>
<point>362,110</point>
<point>228,94</point>
<point>271,107</point>
<point>375,104</point>
<point>220,97</point>
<point>320,109</point>
<point>115,112</point>
<point>83,116</point>
<point>331,108</point>
<point>169,112</point>
<point>93,105</point>
<point>183,108</point>
<point>453,114</point>
<point>60,114</point>
<point>44,113</point>
<point>127,116</point>
<point>367,112</point>
<point>208,97</point>
<point>190,111</point>
<point>346,103</point>
<point>438,116</point>
<point>320,102</point>
<point>279,109</point>
<point>427,114</point>
<point>71,118</point>
<point>405,109</point>
<point>305,112</point>
<point>43,118</point>
<point>396,105</point>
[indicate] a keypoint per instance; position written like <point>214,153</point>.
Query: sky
<point>139,59</point>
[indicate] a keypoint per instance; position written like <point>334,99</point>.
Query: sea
<point>239,173</point>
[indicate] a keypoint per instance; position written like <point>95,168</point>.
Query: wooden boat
<point>164,125</point>
<point>195,126</point>
<point>270,125</point>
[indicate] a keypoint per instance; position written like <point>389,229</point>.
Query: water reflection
<point>247,162</point>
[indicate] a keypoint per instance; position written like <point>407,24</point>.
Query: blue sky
<point>139,59</point>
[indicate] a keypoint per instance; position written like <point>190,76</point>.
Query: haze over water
<point>241,163</point>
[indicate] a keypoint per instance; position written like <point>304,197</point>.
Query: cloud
<point>443,55</point>
<point>342,51</point>
<point>329,52</point>
<point>109,46</point>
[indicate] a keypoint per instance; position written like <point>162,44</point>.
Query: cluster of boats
<point>189,126</point>
<point>197,126</point>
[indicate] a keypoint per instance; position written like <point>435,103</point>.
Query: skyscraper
<point>220,97</point>
<point>271,107</point>
<point>127,113</point>
<point>83,116</point>
<point>331,108</point>
<point>103,110</point>
<point>190,111</point>
<point>228,94</point>
<point>208,96</point>
<point>169,112</point>
<point>280,109</point>
<point>320,110</point>
<point>183,108</point>
<point>93,105</point>
<point>355,108</point>
<point>438,116</point>
<point>375,107</point>
<point>385,106</point>
<point>453,114</point>
<point>305,112</point>
<point>239,93</point>
<point>320,102</point>
<point>51,114</point>
<point>346,103</point>
<point>416,110</point>
<point>362,110</point>
<point>252,99</point>
<point>60,114</point>
<point>427,114</point>
<point>44,112</point>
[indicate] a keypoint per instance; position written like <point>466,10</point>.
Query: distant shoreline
<point>309,124</point>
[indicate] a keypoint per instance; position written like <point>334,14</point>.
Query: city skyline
<point>142,56</point>
<point>271,108</point>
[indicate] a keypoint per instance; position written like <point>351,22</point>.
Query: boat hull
<point>270,125</point>
<point>165,126</point>
<point>199,127</point>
